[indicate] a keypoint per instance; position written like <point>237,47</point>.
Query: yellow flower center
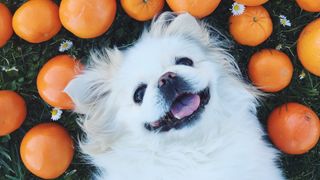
<point>236,7</point>
<point>302,75</point>
<point>283,21</point>
<point>54,112</point>
<point>65,45</point>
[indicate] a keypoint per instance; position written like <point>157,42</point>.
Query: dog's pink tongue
<point>185,106</point>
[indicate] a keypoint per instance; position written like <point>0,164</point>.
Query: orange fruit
<point>13,111</point>
<point>294,128</point>
<point>309,5</point>
<point>197,8</point>
<point>308,47</point>
<point>37,21</point>
<point>47,150</point>
<point>251,2</point>
<point>5,25</point>
<point>142,10</point>
<point>54,77</point>
<point>252,27</point>
<point>81,16</point>
<point>270,70</point>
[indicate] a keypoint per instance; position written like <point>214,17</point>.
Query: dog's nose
<point>166,79</point>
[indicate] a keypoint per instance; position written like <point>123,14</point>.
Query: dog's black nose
<point>171,85</point>
<point>166,79</point>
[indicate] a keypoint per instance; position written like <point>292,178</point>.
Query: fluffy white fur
<point>226,143</point>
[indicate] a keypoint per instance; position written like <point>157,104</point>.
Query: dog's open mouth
<point>184,110</point>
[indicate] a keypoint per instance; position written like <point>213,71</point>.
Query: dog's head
<point>174,79</point>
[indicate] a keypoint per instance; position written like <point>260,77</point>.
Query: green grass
<point>29,58</point>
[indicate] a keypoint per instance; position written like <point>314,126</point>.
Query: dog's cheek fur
<point>94,84</point>
<point>91,91</point>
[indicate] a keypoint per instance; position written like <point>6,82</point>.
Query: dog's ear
<point>187,25</point>
<point>171,24</point>
<point>93,85</point>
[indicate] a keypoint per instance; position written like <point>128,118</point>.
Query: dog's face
<point>164,84</point>
<point>172,80</point>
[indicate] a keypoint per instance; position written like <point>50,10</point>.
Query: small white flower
<point>237,9</point>
<point>302,75</point>
<point>7,69</point>
<point>65,45</point>
<point>56,114</point>
<point>284,21</point>
<point>279,47</point>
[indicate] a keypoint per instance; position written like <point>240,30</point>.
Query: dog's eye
<point>184,61</point>
<point>139,93</point>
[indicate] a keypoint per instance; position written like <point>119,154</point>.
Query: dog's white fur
<point>225,143</point>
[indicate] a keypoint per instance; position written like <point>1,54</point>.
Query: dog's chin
<point>184,111</point>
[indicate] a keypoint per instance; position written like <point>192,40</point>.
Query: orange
<point>13,111</point>
<point>308,47</point>
<point>197,8</point>
<point>54,77</point>
<point>251,2</point>
<point>252,27</point>
<point>47,150</point>
<point>87,19</point>
<point>5,25</point>
<point>271,70</point>
<point>142,10</point>
<point>294,128</point>
<point>37,21</point>
<point>309,5</point>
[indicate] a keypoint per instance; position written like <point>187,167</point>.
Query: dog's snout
<point>166,79</point>
<point>171,85</point>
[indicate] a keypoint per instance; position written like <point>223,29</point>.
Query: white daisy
<point>302,75</point>
<point>237,9</point>
<point>279,47</point>
<point>7,69</point>
<point>65,45</point>
<point>284,21</point>
<point>56,114</point>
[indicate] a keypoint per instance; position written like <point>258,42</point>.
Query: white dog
<point>171,107</point>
